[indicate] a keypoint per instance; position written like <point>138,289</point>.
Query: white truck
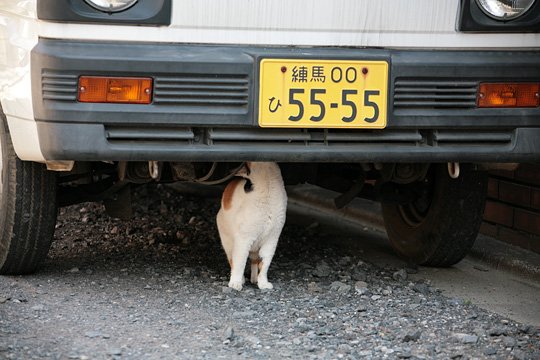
<point>407,102</point>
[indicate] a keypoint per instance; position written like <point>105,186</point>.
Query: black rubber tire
<point>440,231</point>
<point>27,210</point>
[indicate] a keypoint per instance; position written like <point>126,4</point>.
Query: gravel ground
<point>156,287</point>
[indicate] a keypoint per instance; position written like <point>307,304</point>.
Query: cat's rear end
<point>250,221</point>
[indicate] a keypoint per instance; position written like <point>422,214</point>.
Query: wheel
<point>27,209</point>
<point>440,225</point>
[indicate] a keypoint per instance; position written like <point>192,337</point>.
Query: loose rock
<point>228,334</point>
<point>400,275</point>
<point>412,336</point>
<point>361,287</point>
<point>466,338</point>
<point>340,287</point>
<point>322,270</point>
<point>422,288</point>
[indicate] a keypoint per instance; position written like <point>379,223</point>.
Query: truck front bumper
<point>422,127</point>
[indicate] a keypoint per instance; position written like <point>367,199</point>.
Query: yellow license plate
<point>323,94</point>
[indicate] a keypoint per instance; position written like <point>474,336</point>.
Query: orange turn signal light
<point>508,95</point>
<point>126,90</point>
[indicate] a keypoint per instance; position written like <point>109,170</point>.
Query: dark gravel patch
<point>156,287</point>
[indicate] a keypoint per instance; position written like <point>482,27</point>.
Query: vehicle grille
<point>161,134</point>
<point>330,137</point>
<point>433,94</point>
<point>472,137</point>
<point>218,136</point>
<point>59,86</point>
<point>202,90</point>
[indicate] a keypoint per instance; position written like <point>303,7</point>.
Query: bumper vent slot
<point>311,137</point>
<point>149,134</point>
<point>59,86</point>
<point>473,137</point>
<point>202,90</point>
<point>434,94</point>
<point>305,137</point>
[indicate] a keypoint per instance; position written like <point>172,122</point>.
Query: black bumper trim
<point>431,103</point>
<point>92,142</point>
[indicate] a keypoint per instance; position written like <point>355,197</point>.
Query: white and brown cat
<point>250,221</point>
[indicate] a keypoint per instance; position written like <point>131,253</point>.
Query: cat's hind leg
<point>227,240</point>
<point>255,261</point>
<point>240,254</point>
<point>266,253</point>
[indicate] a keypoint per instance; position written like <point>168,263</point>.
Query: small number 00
<point>350,75</point>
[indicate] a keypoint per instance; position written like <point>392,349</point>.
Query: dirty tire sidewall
<point>451,225</point>
<point>27,210</point>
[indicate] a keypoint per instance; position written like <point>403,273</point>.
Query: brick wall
<point>512,211</point>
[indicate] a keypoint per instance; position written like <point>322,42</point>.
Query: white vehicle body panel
<point>18,35</point>
<point>422,24</point>
<point>397,24</point>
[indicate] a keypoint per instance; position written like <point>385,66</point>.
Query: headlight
<point>111,5</point>
<point>505,9</point>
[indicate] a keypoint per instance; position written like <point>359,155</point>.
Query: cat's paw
<point>236,285</point>
<point>265,285</point>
